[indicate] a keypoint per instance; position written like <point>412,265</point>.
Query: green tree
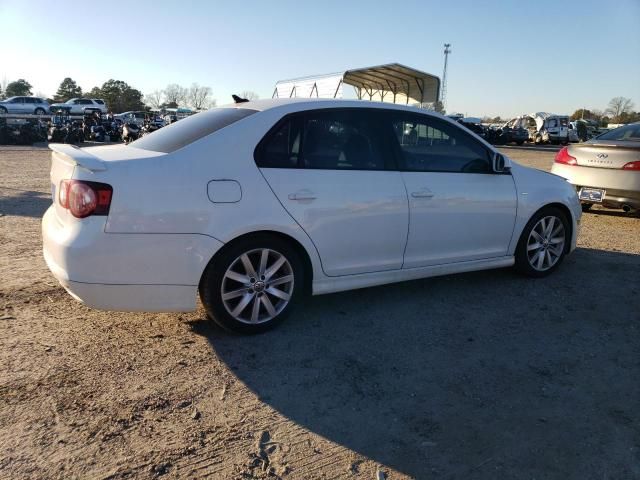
<point>581,114</point>
<point>119,96</point>
<point>1,93</point>
<point>19,88</point>
<point>67,89</point>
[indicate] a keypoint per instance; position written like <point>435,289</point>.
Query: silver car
<point>25,105</point>
<point>605,170</point>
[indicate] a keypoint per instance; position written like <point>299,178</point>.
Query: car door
<point>459,210</point>
<point>330,171</point>
<point>17,105</point>
<point>29,105</point>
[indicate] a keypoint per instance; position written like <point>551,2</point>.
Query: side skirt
<point>352,282</point>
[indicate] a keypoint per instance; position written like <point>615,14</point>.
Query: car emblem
<point>602,155</point>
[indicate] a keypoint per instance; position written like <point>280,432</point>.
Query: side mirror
<point>499,163</point>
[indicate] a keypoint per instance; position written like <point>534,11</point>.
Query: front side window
<point>433,145</point>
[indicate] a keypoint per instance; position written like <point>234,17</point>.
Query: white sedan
<point>257,204</point>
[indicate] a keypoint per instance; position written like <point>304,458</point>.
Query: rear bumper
<point>125,272</point>
<point>622,187</point>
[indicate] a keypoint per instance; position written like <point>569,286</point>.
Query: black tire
<point>3,110</point>
<point>520,142</point>
<point>39,111</point>
<point>522,263</point>
<point>586,207</point>
<point>211,283</point>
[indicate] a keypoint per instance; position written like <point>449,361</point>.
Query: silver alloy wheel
<point>545,243</point>
<point>257,286</point>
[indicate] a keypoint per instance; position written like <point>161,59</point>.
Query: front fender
<point>537,189</point>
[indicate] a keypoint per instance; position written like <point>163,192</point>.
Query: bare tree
<point>199,96</point>
<point>3,87</point>
<point>154,99</point>
<point>249,95</point>
<point>175,93</point>
<point>618,106</point>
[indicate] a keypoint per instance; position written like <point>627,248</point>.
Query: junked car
<point>257,204</point>
<point>604,170</point>
<point>24,105</point>
<point>80,106</point>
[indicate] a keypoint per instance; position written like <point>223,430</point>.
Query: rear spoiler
<point>77,156</point>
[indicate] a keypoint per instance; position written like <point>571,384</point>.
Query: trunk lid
<point>605,153</point>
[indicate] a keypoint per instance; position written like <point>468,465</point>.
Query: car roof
<point>301,104</point>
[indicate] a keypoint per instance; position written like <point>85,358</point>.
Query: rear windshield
<point>628,132</point>
<point>177,135</point>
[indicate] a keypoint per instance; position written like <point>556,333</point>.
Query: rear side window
<point>177,135</point>
<point>99,102</point>
<point>628,132</point>
<point>432,145</point>
<point>327,140</point>
<point>282,149</point>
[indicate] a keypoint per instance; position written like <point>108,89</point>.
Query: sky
<point>508,57</point>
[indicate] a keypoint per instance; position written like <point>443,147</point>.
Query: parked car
<point>257,204</point>
<point>604,170</point>
<point>26,105</point>
<point>79,106</point>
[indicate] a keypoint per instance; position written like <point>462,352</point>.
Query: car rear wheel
<point>542,245</point>
<point>252,285</point>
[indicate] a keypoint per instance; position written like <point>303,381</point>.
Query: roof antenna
<point>237,99</point>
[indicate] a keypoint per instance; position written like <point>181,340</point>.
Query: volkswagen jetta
<point>256,204</point>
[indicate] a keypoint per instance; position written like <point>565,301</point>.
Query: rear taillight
<point>563,157</point>
<point>83,198</point>
<point>632,166</point>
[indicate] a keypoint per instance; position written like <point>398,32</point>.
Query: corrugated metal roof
<point>392,82</point>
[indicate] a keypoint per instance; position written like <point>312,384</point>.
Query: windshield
<point>628,132</point>
<point>183,132</point>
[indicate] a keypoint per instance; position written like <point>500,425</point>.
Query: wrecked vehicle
<point>543,127</point>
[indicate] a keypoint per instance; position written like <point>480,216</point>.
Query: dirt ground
<point>481,375</point>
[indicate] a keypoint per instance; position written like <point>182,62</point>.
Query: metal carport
<point>394,83</point>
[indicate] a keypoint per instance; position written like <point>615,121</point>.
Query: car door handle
<point>302,195</point>
<point>424,193</point>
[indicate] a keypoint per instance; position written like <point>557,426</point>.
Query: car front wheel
<point>542,245</point>
<point>253,284</point>
<point>40,111</point>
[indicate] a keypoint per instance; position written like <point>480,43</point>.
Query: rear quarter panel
<point>167,194</point>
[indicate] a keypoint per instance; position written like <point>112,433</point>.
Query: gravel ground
<point>481,375</point>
